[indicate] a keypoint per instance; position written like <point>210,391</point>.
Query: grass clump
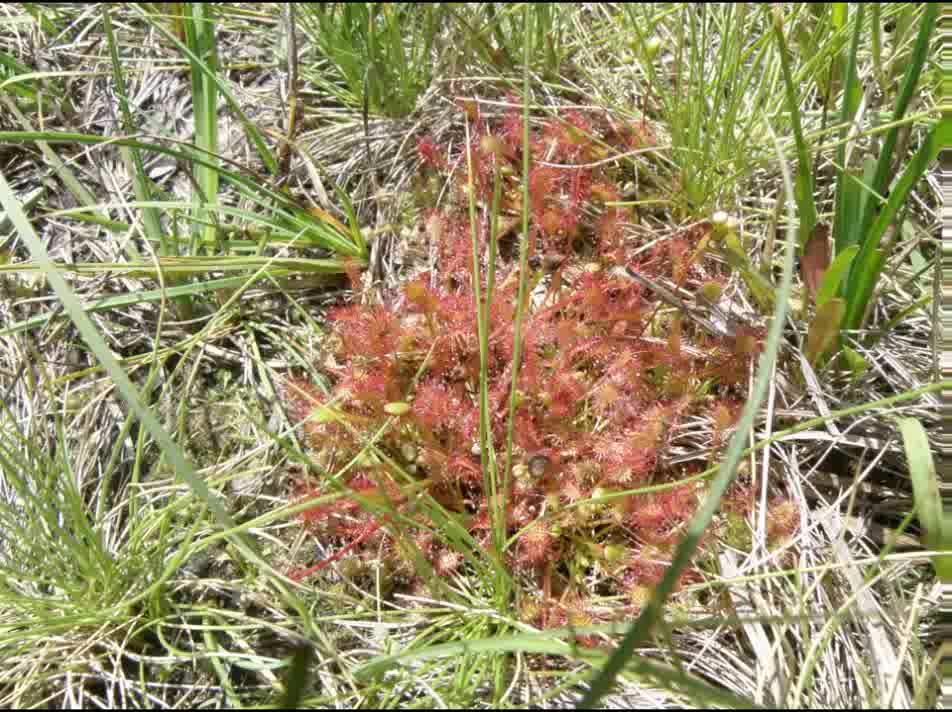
<point>364,59</point>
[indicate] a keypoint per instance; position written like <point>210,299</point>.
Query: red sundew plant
<point>608,376</point>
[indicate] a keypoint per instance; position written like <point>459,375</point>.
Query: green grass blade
<point>482,329</point>
<point>884,163</point>
<point>876,38</point>
<point>355,234</point>
<point>925,490</point>
<point>869,262</point>
<point>326,229</point>
<point>11,67</point>
<point>77,189</point>
<point>180,266</point>
<point>140,181</point>
<point>845,227</point>
<point>125,300</point>
<point>551,643</point>
<point>860,192</point>
<point>203,63</point>
<point>839,13</point>
<point>298,675</point>
<point>806,204</point>
<point>917,62</point>
<point>838,269</point>
<point>250,129</point>
<point>523,257</point>
<point>862,282</point>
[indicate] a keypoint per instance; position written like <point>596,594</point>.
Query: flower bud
<point>396,408</point>
<point>652,47</point>
<point>492,144</point>
<point>712,291</point>
<point>409,452</point>
<point>718,225</point>
<point>537,465</point>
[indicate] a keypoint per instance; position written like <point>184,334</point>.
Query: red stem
<point>367,533</point>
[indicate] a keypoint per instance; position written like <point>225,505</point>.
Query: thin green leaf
<point>804,182</point>
<point>858,192</point>
<point>839,14</point>
<point>861,284</point>
<point>824,329</point>
<point>133,298</point>
<point>203,62</point>
<point>250,129</point>
<point>140,182</point>
<point>355,233</point>
<point>298,676</point>
<point>855,362</point>
<point>913,70</point>
<point>77,189</point>
<point>258,187</point>
<point>925,490</point>
<point>550,643</point>
<point>11,66</point>
<point>523,255</point>
<point>870,261</point>
<point>833,276</point>
<point>185,265</point>
<point>845,227</point>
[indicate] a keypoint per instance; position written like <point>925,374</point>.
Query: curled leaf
<point>816,258</point>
